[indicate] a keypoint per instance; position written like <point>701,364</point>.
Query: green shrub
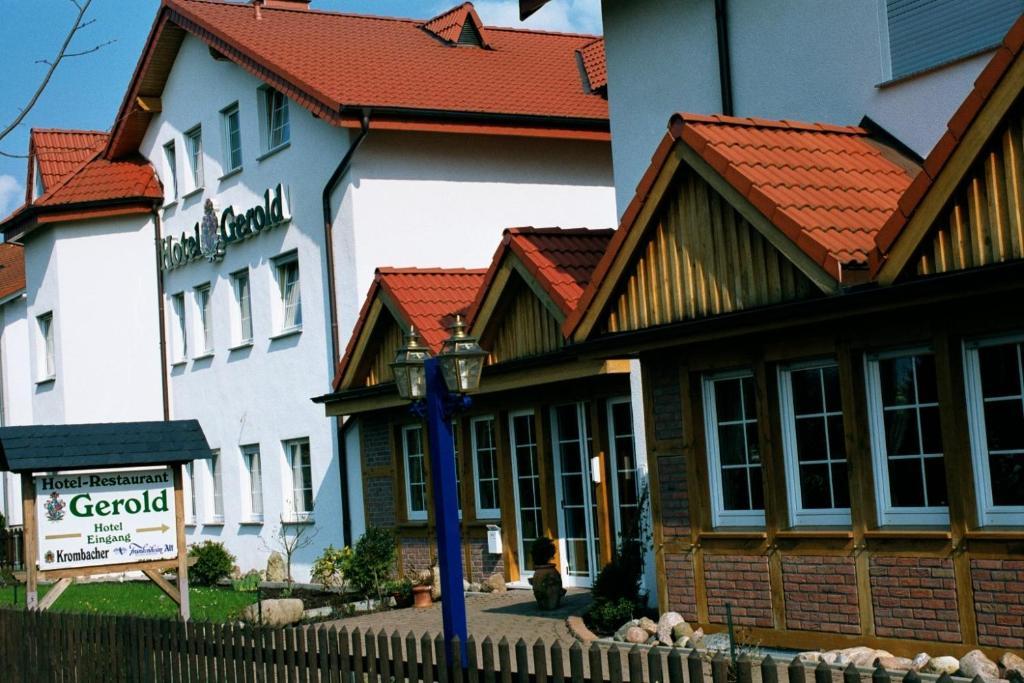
<point>372,563</point>
<point>249,583</point>
<point>542,551</point>
<point>606,616</point>
<point>213,563</point>
<point>332,567</point>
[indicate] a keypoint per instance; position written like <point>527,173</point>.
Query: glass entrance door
<point>526,487</point>
<point>577,502</point>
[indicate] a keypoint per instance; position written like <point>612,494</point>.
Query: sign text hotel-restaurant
<point>110,517</point>
<point>210,237</point>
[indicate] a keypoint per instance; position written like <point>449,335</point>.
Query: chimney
<point>283,4</point>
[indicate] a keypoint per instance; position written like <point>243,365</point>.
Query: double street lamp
<point>438,388</point>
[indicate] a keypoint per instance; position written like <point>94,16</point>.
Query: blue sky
<point>86,91</point>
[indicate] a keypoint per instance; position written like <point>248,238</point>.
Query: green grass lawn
<point>139,598</point>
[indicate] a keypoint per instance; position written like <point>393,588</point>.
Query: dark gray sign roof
<point>48,448</point>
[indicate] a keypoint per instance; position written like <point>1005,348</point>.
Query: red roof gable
<point>450,25</point>
<point>12,269</point>
<point>594,65</point>
<point>59,152</point>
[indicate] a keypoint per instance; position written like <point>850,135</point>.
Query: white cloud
<point>12,194</point>
<point>574,16</point>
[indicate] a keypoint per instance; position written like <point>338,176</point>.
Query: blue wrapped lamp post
<point>438,388</point>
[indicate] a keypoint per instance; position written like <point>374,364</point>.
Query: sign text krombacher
<point>210,237</point>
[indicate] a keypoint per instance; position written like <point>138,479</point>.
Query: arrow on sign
<point>163,529</point>
<point>57,537</point>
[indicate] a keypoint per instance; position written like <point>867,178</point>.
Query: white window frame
<point>888,515</point>
<point>225,118</point>
<point>720,517</point>
<point>482,512</point>
<point>296,511</point>
<point>190,501</point>
<point>798,515</point>
<point>989,514</point>
<point>171,170</point>
<point>281,263</point>
<point>179,329</point>
<point>215,474</point>
<point>38,187</point>
<point>238,322</point>
<point>253,493</point>
<point>194,149</point>
<point>203,298</point>
<point>616,460</point>
<point>267,95</point>
<point>415,515</point>
<point>46,368</point>
<point>522,550</point>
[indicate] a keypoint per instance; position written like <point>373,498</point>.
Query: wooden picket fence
<point>45,647</point>
<point>12,548</point>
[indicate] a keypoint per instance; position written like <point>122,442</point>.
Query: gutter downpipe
<point>724,64</point>
<point>329,188</point>
<point>161,323</point>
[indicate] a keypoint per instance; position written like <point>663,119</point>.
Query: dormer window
<point>38,188</point>
<point>459,26</point>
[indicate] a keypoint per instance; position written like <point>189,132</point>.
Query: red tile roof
<point>59,152</point>
<point>101,180</point>
<point>427,298</point>
<point>560,260</point>
<point>984,85</point>
<point>12,269</point>
<point>448,26</point>
<point>594,65</point>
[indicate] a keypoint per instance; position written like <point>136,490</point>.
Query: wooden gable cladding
<point>387,339</point>
<point>702,258</point>
<point>983,223</point>
<point>525,325</point>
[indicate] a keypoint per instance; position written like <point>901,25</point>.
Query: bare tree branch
<point>79,24</point>
<point>12,156</point>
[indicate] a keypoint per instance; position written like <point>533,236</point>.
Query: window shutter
<point>470,36</point>
<point>927,33</point>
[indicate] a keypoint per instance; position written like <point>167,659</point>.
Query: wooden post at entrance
<point>31,540</point>
<point>179,523</point>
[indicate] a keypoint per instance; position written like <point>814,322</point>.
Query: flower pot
<point>547,586</point>
<point>421,596</point>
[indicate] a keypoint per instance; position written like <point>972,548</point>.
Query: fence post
<point>540,668</point>
<point>695,667</point>
<point>596,673</point>
<point>655,673</point>
<point>796,671</point>
<point>557,663</point>
<point>822,672</point>
<point>456,659</point>
<point>505,660</point>
<point>396,656</point>
<point>576,662</point>
<point>744,669</point>
<point>472,660</point>
<point>719,668</point>
<point>636,665</point>
<point>615,665</point>
<point>769,670</point>
<point>879,675</point>
<point>675,666</point>
<point>850,674</point>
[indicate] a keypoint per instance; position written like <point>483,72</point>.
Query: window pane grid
<point>822,476</point>
<point>626,491</point>
<point>205,316</point>
<point>302,479</point>
<point>415,472</point>
<point>1000,442</point>
<point>243,307</point>
<point>485,463</point>
<point>277,115</point>
<point>524,446</point>
<point>234,138</point>
<point>255,471</point>
<point>288,275</point>
<point>218,485</point>
<point>194,143</point>
<point>750,468</point>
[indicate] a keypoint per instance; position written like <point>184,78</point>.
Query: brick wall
<point>743,581</point>
<point>379,496</point>
<point>376,443</point>
<point>675,504</point>
<point>666,401</point>
<point>417,553</point>
<point>999,602</point>
<point>482,563</point>
<point>821,593</point>
<point>682,592</point>
<point>915,598</point>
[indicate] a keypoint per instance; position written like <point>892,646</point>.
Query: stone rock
<point>666,627</point>
<point>276,613</point>
<point>942,665</point>
<point>1011,662</point>
<point>579,630</point>
<point>682,641</point>
<point>435,583</point>
<point>920,661</point>
<point>892,663</point>
<point>620,635</point>
<point>697,638</point>
<point>636,635</point>
<point>649,626</point>
<point>495,583</point>
<point>276,568</point>
<point>809,657</point>
<point>975,663</point>
<point>864,657</point>
<point>834,658</point>
<point>682,630</point>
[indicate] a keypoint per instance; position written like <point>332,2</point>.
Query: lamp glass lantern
<point>462,360</point>
<point>410,375</point>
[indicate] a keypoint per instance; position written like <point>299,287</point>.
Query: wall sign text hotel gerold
<point>91,519</point>
<point>210,237</point>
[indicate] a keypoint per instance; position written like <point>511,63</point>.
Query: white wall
<point>15,385</point>
<point>798,59</point>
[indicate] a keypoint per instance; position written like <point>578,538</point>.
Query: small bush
<point>372,563</point>
<point>249,583</point>
<point>332,567</point>
<point>605,616</point>
<point>213,563</point>
<point>542,551</point>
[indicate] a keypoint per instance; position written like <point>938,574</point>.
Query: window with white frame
<point>47,369</point>
<point>254,475</point>
<point>242,323</point>
<point>994,370</point>
<point>232,132</point>
<point>179,332</point>
<point>276,128</point>
<point>413,457</point>
<point>734,449</point>
<point>485,467</point>
<point>814,444</point>
<point>38,187</point>
<point>205,315</point>
<point>301,469</point>
<point>906,438</point>
<point>625,487</point>
<point>290,302</point>
<point>216,488</point>
<point>194,147</point>
<point>171,172</point>
<point>190,482</point>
